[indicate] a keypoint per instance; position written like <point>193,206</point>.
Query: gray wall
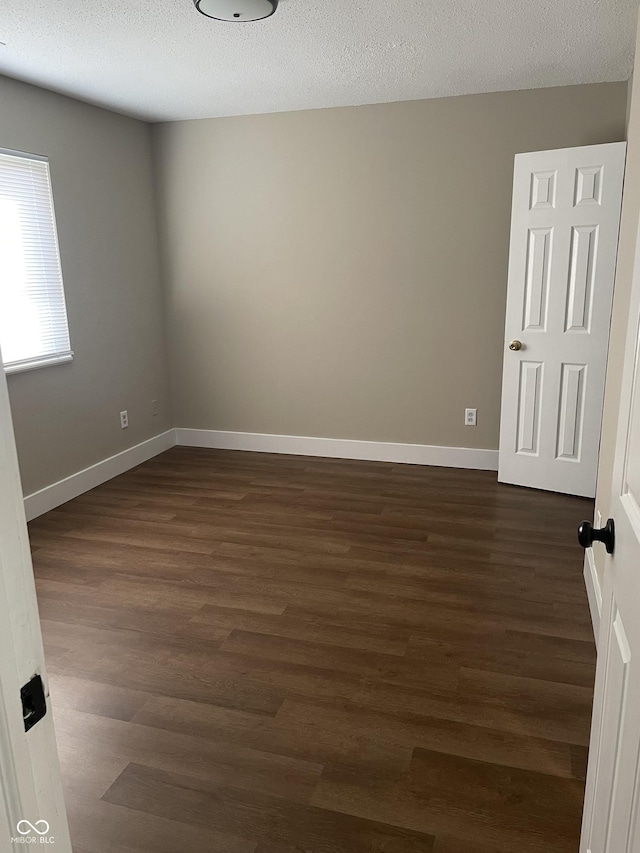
<point>338,272</point>
<point>342,272</point>
<point>67,417</point>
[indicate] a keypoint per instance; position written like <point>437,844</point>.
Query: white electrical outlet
<point>470,417</point>
<point>124,419</point>
<point>154,408</point>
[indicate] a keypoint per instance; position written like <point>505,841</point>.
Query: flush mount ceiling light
<point>236,11</point>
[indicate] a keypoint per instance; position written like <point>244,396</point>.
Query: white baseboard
<point>375,451</point>
<point>594,593</point>
<point>65,490</point>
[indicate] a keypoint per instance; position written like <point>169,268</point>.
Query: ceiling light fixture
<point>237,11</point>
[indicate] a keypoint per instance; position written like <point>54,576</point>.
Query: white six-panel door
<point>564,238</point>
<point>611,817</point>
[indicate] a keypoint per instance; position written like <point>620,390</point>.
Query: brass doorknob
<point>515,345</point>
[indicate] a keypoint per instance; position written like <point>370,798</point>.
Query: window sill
<point>37,363</point>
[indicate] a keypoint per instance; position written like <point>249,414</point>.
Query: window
<point>33,314</point>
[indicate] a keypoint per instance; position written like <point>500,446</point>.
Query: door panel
<point>537,282</point>
<point>543,190</point>
<point>588,185</point>
<point>618,664</point>
<point>529,409</point>
<point>584,240</point>
<point>571,411</point>
<point>564,233</point>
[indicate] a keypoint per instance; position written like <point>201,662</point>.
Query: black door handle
<point>588,534</point>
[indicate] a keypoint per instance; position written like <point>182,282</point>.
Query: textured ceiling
<point>162,60</point>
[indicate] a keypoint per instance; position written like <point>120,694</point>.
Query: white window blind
<point>33,315</point>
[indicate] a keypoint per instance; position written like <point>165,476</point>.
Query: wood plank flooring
<point>268,654</point>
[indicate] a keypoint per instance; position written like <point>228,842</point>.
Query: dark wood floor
<point>271,654</point>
